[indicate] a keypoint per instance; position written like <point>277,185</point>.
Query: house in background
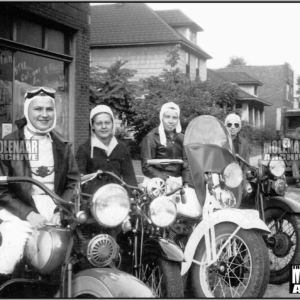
<point>142,36</point>
<point>249,105</point>
<point>277,87</point>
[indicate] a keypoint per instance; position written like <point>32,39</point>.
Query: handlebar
<point>5,180</point>
<point>155,162</point>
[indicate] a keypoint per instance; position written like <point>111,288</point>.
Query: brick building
<point>46,44</point>
<point>142,36</point>
<point>277,87</point>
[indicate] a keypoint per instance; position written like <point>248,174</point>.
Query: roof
<point>217,79</point>
<point>133,24</point>
<point>176,17</point>
<point>239,77</point>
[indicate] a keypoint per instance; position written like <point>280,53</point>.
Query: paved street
<point>273,291</point>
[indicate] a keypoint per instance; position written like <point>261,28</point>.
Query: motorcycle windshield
<point>209,148</point>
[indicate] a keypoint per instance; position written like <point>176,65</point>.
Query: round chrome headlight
<point>280,187</point>
<point>110,205</point>
<point>233,175</point>
<point>163,211</point>
<point>227,199</point>
<point>277,166</point>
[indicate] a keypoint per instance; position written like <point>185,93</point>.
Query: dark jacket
<point>118,162</point>
<point>16,197</point>
<point>241,146</point>
<point>151,148</point>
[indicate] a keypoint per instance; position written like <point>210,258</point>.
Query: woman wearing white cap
<point>104,152</point>
<point>24,207</point>
<point>166,142</point>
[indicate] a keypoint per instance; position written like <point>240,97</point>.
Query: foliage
<point>173,56</point>
<point>236,61</point>
<point>194,98</point>
<point>256,136</point>
<point>111,86</point>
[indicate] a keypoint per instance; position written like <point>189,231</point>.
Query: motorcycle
<point>225,253</point>
<point>70,261</point>
<point>144,250</point>
<point>266,192</point>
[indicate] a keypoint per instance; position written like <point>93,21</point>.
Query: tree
<point>236,61</point>
<point>111,86</point>
<point>194,97</point>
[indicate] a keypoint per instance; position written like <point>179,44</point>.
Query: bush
<point>256,136</point>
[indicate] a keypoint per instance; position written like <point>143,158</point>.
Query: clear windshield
<point>208,130</point>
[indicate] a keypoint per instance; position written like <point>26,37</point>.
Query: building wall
<point>274,79</point>
<point>247,88</point>
<point>147,60</point>
<point>76,18</point>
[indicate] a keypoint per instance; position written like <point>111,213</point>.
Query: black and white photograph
<point>149,150</point>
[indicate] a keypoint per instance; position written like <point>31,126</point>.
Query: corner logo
<point>294,279</point>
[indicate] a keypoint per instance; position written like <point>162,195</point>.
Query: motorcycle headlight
<point>110,205</point>
<point>277,166</point>
<point>162,211</point>
<point>233,175</point>
<point>280,187</point>
<point>227,199</point>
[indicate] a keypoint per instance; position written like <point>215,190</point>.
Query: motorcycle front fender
<point>288,202</point>
<point>165,249</point>
<point>109,283</point>
<point>246,218</point>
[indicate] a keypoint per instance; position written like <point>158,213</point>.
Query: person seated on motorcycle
<point>24,207</point>
<point>241,146</point>
<point>166,142</point>
<point>102,151</point>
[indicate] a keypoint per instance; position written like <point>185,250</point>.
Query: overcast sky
<point>261,33</point>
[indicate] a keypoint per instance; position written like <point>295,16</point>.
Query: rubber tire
<point>171,281</point>
<point>283,275</point>
<point>258,250</point>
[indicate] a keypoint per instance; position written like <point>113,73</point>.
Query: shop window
<point>6,90</point>
<point>35,38</point>
<point>6,28</point>
<point>33,70</point>
<point>56,41</point>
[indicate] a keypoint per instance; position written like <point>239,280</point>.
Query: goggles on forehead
<point>36,90</point>
<point>236,125</point>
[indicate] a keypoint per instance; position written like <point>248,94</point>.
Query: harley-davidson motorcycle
<point>223,246</point>
<point>144,250</point>
<point>76,259</point>
<point>265,190</point>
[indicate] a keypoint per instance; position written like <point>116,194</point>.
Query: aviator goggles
<point>35,90</point>
<point>236,125</point>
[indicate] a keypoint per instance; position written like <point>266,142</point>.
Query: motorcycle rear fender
<point>287,203</point>
<point>246,219</point>
<point>165,249</point>
<point>108,283</point>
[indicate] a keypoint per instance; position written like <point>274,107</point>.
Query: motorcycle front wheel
<point>242,269</point>
<point>285,232</point>
<point>163,278</point>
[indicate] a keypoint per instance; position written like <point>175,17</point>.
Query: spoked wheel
<point>284,246</point>
<point>242,269</point>
<point>163,278</point>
